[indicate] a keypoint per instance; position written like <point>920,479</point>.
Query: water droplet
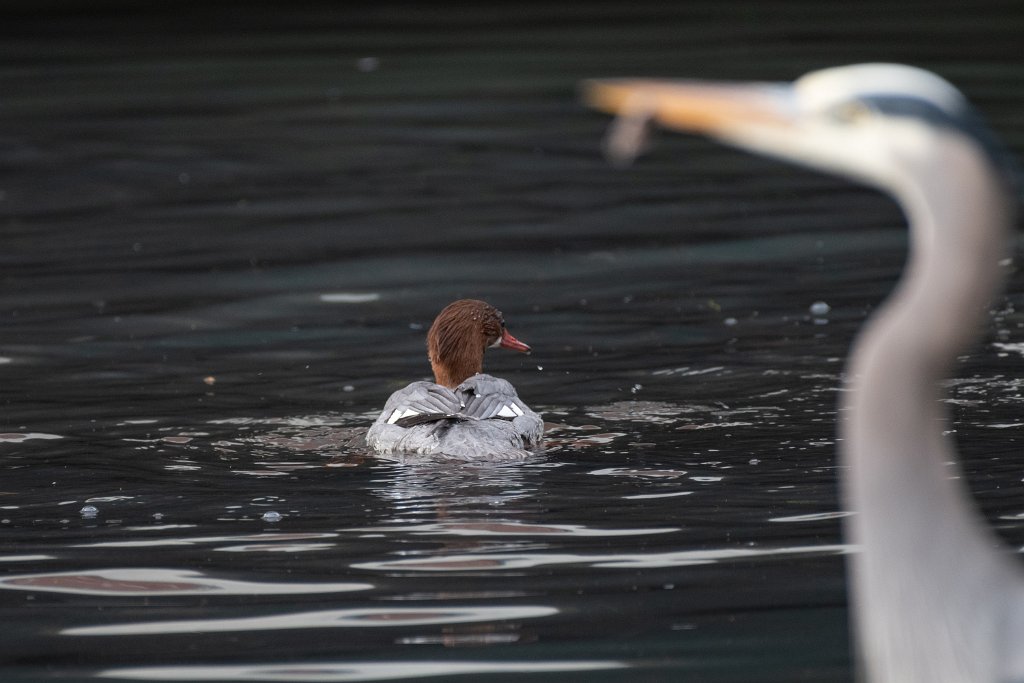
<point>540,367</point>
<point>271,516</point>
<point>89,512</point>
<point>348,387</point>
<point>635,388</point>
<point>820,308</point>
<point>730,321</point>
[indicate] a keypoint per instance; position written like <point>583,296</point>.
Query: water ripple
<point>524,560</point>
<point>340,672</point>
<point>268,540</point>
<point>157,582</point>
<point>509,529</point>
<point>336,618</point>
<point>18,437</point>
<point>814,517</point>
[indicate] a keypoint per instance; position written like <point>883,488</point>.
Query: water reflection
<point>690,416</point>
<point>269,540</point>
<point>529,560</point>
<point>577,437</point>
<point>638,473</point>
<point>26,558</point>
<point>161,582</point>
<point>274,447</point>
<point>456,491</point>
<point>342,672</point>
<point>19,437</point>
<point>341,618</point>
<point>499,528</point>
<point>813,517</point>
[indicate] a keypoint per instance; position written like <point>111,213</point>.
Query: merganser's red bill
<point>507,341</point>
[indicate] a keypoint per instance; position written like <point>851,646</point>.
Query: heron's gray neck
<point>959,238</point>
<point>916,527</point>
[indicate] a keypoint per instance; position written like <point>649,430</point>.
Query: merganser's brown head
<point>460,334</point>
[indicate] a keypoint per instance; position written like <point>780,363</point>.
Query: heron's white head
<point>873,122</point>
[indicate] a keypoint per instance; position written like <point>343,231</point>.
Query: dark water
<point>224,232</point>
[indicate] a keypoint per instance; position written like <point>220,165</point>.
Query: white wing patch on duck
<point>401,414</point>
<point>511,410</point>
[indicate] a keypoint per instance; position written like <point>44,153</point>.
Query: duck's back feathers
<point>421,402</point>
<point>481,419</point>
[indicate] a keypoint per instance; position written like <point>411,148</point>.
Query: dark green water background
<point>223,231</point>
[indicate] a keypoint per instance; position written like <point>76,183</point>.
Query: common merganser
<point>462,414</point>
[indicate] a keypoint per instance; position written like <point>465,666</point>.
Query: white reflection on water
<point>329,420</point>
<point>1017,347</point>
<point>498,528</point>
<point>525,560</point>
<point>328,672</point>
<point>25,558</point>
<point>349,297</point>
<point>648,496</point>
<point>693,415</point>
<point>337,618</point>
<point>639,473</point>
<point>268,539</point>
<point>653,412</point>
<point>18,437</point>
<point>158,582</point>
<point>275,548</point>
<point>688,371</point>
<point>814,517</point>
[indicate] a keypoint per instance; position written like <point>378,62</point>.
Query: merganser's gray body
<point>482,419</point>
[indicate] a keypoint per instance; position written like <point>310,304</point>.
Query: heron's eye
<point>851,112</point>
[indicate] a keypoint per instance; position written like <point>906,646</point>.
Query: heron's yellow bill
<point>694,106</point>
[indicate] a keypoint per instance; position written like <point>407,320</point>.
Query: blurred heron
<point>935,596</point>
